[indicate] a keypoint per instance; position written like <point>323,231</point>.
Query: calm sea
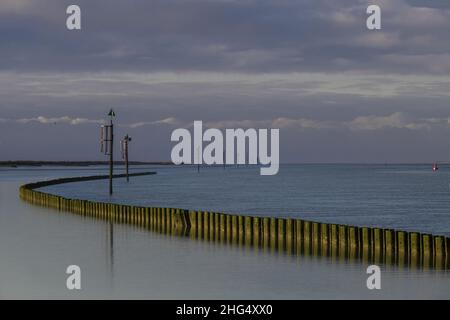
<point>408,197</point>
<point>119,261</point>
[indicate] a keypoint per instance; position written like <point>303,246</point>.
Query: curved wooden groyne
<point>291,236</point>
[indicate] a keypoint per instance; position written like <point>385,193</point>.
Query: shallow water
<point>37,244</point>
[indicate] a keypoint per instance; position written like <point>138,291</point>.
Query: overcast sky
<point>337,91</point>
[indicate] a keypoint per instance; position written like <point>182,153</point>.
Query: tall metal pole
<point>107,145</point>
<point>111,157</point>
<point>124,148</point>
<point>198,159</point>
<point>126,160</point>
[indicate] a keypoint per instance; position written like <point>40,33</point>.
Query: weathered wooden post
<point>390,251</point>
<point>366,244</point>
<point>439,252</point>
<point>414,249</point>
<point>248,230</point>
<point>402,248</point>
<point>265,233</point>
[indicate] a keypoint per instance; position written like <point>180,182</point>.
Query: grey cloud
<point>167,121</point>
<point>366,122</point>
<point>74,121</point>
<point>396,120</point>
<point>239,36</point>
<point>53,120</point>
<point>430,4</point>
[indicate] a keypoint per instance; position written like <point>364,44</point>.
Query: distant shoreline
<point>42,163</point>
<point>29,163</point>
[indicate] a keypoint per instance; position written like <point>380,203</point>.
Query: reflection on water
<point>37,244</point>
<point>111,248</point>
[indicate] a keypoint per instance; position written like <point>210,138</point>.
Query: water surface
<point>37,244</point>
<point>406,197</point>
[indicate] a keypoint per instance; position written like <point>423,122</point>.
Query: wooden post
<point>414,249</point>
<point>427,255</point>
<point>325,239</point>
<point>298,236</point>
<point>228,228</point>
<point>334,241</point>
<point>234,229</point>
<point>402,248</point>
<point>290,236</point>
<point>390,252</point>
<point>439,252</point>
<point>248,226</point>
<point>273,233</point>
<point>353,242</point>
<point>307,232</point>
<point>366,244</point>
<point>265,233</point>
<point>281,234</point>
<point>343,241</point>
<point>378,245</point>
<point>223,227</point>
<point>256,231</point>
<point>241,227</point>
<point>316,238</point>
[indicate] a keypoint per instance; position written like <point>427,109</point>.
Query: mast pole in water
<point>111,114</point>
<point>124,144</point>
<point>107,145</point>
<point>198,159</point>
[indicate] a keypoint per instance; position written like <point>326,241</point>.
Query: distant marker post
<point>124,147</point>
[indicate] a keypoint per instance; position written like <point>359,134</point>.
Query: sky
<point>337,91</point>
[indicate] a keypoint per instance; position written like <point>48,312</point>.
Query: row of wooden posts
<point>291,236</point>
